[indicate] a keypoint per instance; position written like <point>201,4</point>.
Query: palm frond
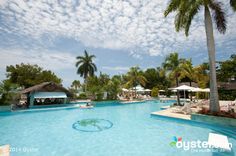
<point>219,16</point>
<point>80,58</point>
<point>94,66</point>
<point>233,4</point>
<point>172,6</point>
<point>78,63</point>
<point>194,8</point>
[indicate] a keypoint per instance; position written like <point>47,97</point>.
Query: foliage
<point>85,65</point>
<point>75,84</point>
<point>202,75</point>
<point>98,85</point>
<point>188,71</point>
<point>154,92</point>
<point>135,77</point>
<point>227,94</point>
<point>26,75</point>
<point>186,10</point>
<point>113,88</point>
<point>173,65</point>
<point>73,91</point>
<point>82,96</point>
<point>8,92</point>
<point>227,70</point>
<point>156,77</point>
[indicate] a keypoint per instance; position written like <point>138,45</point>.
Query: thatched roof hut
<point>45,90</point>
<point>46,87</point>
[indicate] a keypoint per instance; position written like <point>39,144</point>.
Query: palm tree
<point>202,72</point>
<point>76,84</point>
<point>188,71</point>
<point>85,66</point>
<point>172,63</point>
<point>135,77</point>
<point>186,10</point>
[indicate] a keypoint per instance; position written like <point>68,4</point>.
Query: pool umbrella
<point>125,90</point>
<point>184,88</point>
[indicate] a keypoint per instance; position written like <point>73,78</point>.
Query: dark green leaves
<point>219,16</point>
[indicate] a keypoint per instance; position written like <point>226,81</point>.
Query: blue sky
<point>120,33</point>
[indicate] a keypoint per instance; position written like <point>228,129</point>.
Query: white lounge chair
<point>186,109</point>
<point>219,141</point>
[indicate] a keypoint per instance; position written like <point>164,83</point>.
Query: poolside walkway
<point>168,113</point>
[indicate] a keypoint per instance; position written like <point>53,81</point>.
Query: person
<point>88,104</point>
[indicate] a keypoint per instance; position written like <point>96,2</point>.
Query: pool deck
<point>168,113</point>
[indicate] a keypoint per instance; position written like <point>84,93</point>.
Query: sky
<point>121,33</point>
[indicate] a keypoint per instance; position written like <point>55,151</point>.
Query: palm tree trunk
<point>214,100</point>
<point>85,87</point>
<point>177,84</point>
<point>191,97</point>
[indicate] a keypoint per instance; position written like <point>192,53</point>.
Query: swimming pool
<point>133,132</point>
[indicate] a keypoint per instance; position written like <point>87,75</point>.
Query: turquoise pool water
<point>134,132</point>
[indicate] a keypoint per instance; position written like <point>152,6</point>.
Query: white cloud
<point>50,60</point>
<point>114,24</point>
<point>117,68</point>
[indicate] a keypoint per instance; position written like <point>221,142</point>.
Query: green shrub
<point>227,94</point>
<point>82,96</point>
<point>154,92</point>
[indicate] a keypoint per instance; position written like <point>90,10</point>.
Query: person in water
<point>88,104</point>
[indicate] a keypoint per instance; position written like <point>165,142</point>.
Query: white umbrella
<point>184,88</point>
<point>196,89</point>
<point>125,90</point>
<point>138,87</point>
<point>206,90</point>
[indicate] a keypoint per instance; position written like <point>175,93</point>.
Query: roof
<point>46,87</point>
<point>50,95</point>
<point>227,85</point>
<point>193,84</point>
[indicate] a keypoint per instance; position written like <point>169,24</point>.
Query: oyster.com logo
<point>199,146</point>
<point>175,140</point>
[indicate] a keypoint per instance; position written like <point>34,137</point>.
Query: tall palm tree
<point>135,77</point>
<point>173,64</point>
<point>186,10</point>
<point>85,66</point>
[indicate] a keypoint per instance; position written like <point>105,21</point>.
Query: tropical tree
<point>75,84</point>
<point>135,77</point>
<point>186,10</point>
<point>85,66</point>
<point>173,64</point>
<point>8,92</point>
<point>156,77</point>
<point>113,87</point>
<point>188,72</point>
<point>202,75</point>
<point>27,75</point>
<point>227,70</point>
